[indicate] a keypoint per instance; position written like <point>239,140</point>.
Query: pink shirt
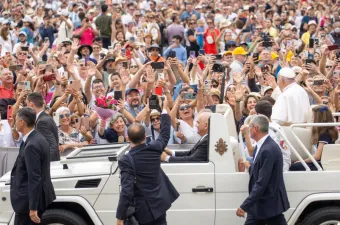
<point>87,37</point>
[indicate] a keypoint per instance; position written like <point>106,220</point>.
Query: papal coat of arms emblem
<point>221,146</point>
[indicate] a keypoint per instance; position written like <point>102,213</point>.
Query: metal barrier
<point>8,155</point>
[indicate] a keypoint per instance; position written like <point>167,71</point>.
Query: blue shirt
<point>47,32</point>
<point>181,53</point>
<point>185,15</point>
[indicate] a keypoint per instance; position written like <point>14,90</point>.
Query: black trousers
<point>106,41</point>
<point>24,219</point>
<point>160,221</point>
<point>275,220</point>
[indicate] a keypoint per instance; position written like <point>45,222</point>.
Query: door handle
<point>203,189</point>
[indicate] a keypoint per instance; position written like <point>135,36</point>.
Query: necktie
<point>255,150</point>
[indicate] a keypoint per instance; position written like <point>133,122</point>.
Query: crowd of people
<point>275,58</point>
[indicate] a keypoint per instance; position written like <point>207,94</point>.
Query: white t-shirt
<point>189,132</point>
<point>6,45</point>
<point>64,32</point>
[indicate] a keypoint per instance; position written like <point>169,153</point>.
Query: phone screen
<point>9,112</point>
<point>118,95</point>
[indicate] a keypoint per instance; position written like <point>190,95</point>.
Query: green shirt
<point>103,24</point>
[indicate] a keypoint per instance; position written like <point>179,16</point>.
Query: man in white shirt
<point>292,102</point>
<point>240,57</point>
<point>22,42</point>
<point>65,28</point>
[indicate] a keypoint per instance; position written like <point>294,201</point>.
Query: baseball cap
<point>130,90</point>
<point>239,51</point>
<point>287,72</point>
<point>23,32</point>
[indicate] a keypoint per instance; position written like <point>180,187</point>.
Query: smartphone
<point>218,57</point>
<point>78,123</point>
<point>192,54</point>
<point>9,112</point>
<point>56,118</point>
<point>201,52</point>
<point>46,39</point>
<point>318,82</point>
<point>265,69</point>
<point>207,84</point>
<point>74,84</point>
<point>157,65</point>
<point>118,95</point>
<point>333,47</point>
<point>110,47</point>
<point>336,73</point>
<point>309,61</point>
<point>27,85</point>
<point>65,74</point>
<point>160,76</point>
<point>125,64</point>
<point>303,84</point>
<point>24,48</point>
<point>310,56</point>
<point>85,121</point>
<point>87,58</point>
<point>132,39</point>
<point>48,67</point>
<point>178,126</point>
<point>189,96</point>
<point>159,91</point>
<point>49,77</point>
<point>256,56</point>
<point>311,43</point>
<point>123,50</point>
<point>172,54</point>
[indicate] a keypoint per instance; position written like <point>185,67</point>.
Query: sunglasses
<point>184,107</point>
<point>62,116</point>
<point>133,66</point>
<point>22,53</point>
<point>192,23</point>
<point>154,49</point>
<point>155,119</point>
<point>328,67</point>
<point>325,103</point>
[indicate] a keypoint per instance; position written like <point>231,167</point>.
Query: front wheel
<point>324,216</point>
<point>61,217</point>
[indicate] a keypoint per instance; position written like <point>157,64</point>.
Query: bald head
<point>136,133</point>
<point>202,123</point>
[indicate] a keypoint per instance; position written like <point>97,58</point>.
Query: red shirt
<point>209,43</point>
<point>87,36</point>
<point>6,93</point>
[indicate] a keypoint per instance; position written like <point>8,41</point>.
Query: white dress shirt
<point>259,145</point>
<point>24,138</point>
<point>291,106</point>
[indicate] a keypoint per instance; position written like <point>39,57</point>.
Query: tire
<point>61,216</point>
<point>323,215</point>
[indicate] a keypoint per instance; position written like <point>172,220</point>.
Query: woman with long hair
<point>321,136</point>
<point>5,41</point>
<point>28,28</point>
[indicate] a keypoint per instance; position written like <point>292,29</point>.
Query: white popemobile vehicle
<point>87,182</point>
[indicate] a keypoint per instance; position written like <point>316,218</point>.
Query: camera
<point>218,68</point>
<point>154,102</point>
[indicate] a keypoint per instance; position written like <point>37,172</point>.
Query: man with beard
<point>133,101</point>
<point>22,42</point>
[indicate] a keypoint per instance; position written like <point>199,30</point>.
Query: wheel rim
<point>332,222</point>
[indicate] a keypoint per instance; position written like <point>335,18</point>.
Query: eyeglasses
<point>137,15</point>
<point>133,66</point>
<point>192,23</point>
<point>22,53</point>
<point>98,87</point>
<point>184,107</point>
<point>66,115</point>
<point>155,119</point>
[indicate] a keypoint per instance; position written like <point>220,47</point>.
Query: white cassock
<point>291,106</point>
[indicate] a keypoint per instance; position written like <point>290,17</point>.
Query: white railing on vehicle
<point>302,145</point>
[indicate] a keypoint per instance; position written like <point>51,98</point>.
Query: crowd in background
<point>275,58</point>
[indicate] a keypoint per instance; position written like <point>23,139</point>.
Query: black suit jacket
<point>31,186</point>
<point>198,153</point>
<point>47,127</point>
<point>155,192</point>
<point>267,191</point>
